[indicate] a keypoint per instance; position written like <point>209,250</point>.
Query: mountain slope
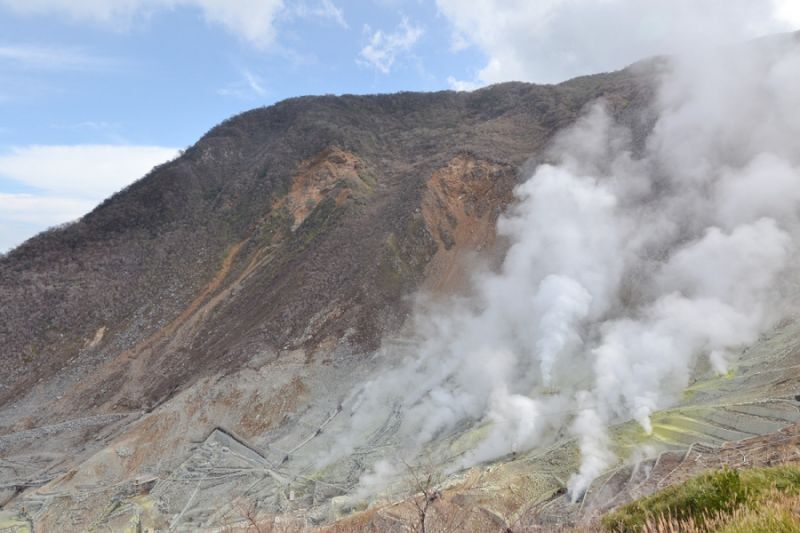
<point>199,350</point>
<point>351,166</point>
<point>289,235</point>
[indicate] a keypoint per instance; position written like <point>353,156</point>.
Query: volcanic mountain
<point>183,356</point>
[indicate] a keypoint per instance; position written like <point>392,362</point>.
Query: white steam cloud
<point>629,264</point>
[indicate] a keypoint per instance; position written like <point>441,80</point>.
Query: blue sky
<point>93,93</point>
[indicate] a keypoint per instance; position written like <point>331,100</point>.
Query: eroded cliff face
<point>460,206</point>
<point>191,346</point>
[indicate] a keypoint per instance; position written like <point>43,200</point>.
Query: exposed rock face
<point>460,207</point>
<point>333,175</point>
<point>188,345</point>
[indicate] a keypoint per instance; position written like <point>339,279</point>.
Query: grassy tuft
<point>707,502</point>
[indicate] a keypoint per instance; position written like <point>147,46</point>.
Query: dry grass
<point>757,499</point>
<point>779,512</point>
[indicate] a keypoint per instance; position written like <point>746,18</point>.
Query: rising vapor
<point>632,263</point>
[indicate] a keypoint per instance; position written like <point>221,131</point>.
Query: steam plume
<point>626,269</point>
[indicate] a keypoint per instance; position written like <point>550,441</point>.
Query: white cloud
<point>40,210</point>
<point>24,215</point>
<point>91,171</point>
<point>248,87</point>
<point>461,85</point>
<point>255,83</point>
<point>51,58</point>
<point>788,11</point>
<point>326,9</point>
<point>68,181</point>
<point>96,10</point>
<point>252,20</point>
<point>553,40</point>
<point>384,48</point>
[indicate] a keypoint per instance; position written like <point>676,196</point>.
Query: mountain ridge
<point>174,196</point>
<point>251,281</point>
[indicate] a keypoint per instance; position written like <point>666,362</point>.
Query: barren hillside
<point>188,353</point>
